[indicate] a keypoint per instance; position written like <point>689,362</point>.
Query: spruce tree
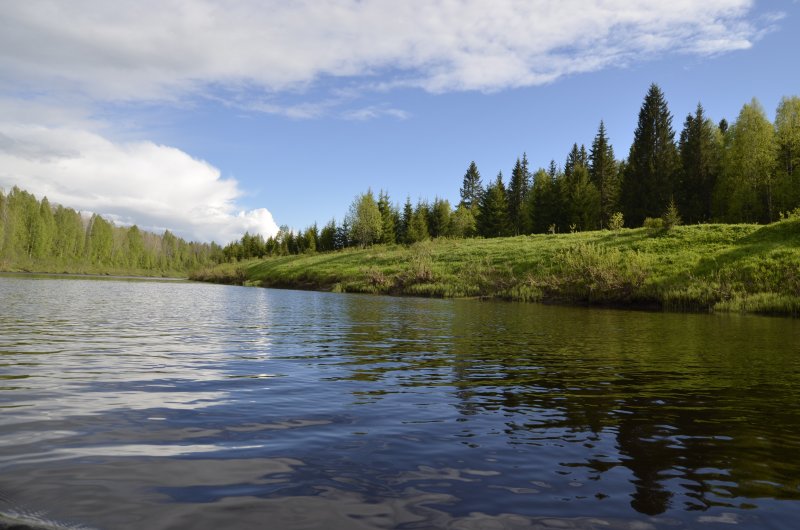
<point>493,214</point>
<point>603,174</point>
<point>388,231</point>
<point>700,151</point>
<point>405,222</point>
<point>517,191</point>
<point>653,162</point>
<point>471,187</point>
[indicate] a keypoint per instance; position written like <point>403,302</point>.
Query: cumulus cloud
<point>164,49</point>
<point>155,186</point>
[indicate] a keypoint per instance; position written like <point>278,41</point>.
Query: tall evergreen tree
<point>517,191</point>
<point>604,175</point>
<point>388,232</point>
<point>439,218</point>
<point>327,237</point>
<point>405,222</point>
<point>471,187</point>
<point>493,214</point>
<point>581,200</point>
<point>653,162</point>
<point>700,148</point>
<point>418,225</point>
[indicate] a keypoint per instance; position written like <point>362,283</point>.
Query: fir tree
<point>388,231</point>
<point>471,187</point>
<point>493,214</point>
<point>700,151</point>
<point>652,163</point>
<point>604,175</point>
<point>517,191</point>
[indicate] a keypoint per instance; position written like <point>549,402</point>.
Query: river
<point>171,405</point>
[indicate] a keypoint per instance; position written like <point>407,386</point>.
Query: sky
<point>215,117</point>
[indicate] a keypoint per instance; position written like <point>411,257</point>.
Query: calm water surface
<point>131,405</point>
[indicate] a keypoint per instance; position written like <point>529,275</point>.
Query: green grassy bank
<point>45,267</point>
<point>746,268</point>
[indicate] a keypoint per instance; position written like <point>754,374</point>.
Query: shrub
<point>654,225</point>
<point>671,217</point>
<point>616,222</point>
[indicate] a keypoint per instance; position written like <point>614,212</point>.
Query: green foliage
<point>698,268</point>
<point>388,218</point>
<point>746,191</point>
<point>581,200</point>
<point>671,217</point>
<point>439,218</point>
<point>366,223</point>
<point>653,161</point>
<point>493,213</point>
<point>653,225</point>
<point>471,187</point>
<point>787,137</point>
<point>616,222</point>
<point>604,174</point>
<point>418,225</point>
<point>701,157</point>
<point>36,235</point>
<point>517,191</point>
<point>462,222</point>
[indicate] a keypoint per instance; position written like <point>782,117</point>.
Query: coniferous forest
<point>747,171</point>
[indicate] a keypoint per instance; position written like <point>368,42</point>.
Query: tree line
<point>747,171</point>
<point>38,235</point>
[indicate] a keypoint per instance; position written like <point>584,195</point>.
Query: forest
<point>747,171</point>
<point>39,236</point>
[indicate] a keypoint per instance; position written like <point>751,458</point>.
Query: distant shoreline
<point>94,276</point>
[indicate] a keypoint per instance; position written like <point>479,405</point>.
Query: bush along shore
<point>712,267</point>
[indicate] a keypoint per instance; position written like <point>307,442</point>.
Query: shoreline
<point>689,269</point>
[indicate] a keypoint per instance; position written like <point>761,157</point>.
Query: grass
<point>715,267</point>
<point>43,266</point>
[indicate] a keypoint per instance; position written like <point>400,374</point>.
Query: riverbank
<point>716,267</point>
<point>85,270</point>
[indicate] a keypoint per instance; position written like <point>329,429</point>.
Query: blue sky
<point>210,117</point>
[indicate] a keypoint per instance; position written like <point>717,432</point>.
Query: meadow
<point>709,267</point>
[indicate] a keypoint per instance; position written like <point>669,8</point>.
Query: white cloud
<point>155,186</point>
<point>165,49</point>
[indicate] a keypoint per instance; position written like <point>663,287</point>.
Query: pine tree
<point>647,184</point>
<point>471,187</point>
<point>493,213</point>
<point>604,175</point>
<point>700,148</point>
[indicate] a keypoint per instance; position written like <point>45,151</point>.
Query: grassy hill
<point>719,267</point>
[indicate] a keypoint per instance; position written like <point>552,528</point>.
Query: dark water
<point>132,405</point>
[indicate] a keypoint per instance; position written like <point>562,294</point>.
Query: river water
<point>172,405</point>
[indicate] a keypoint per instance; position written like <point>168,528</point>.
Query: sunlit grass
<point>749,268</point>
